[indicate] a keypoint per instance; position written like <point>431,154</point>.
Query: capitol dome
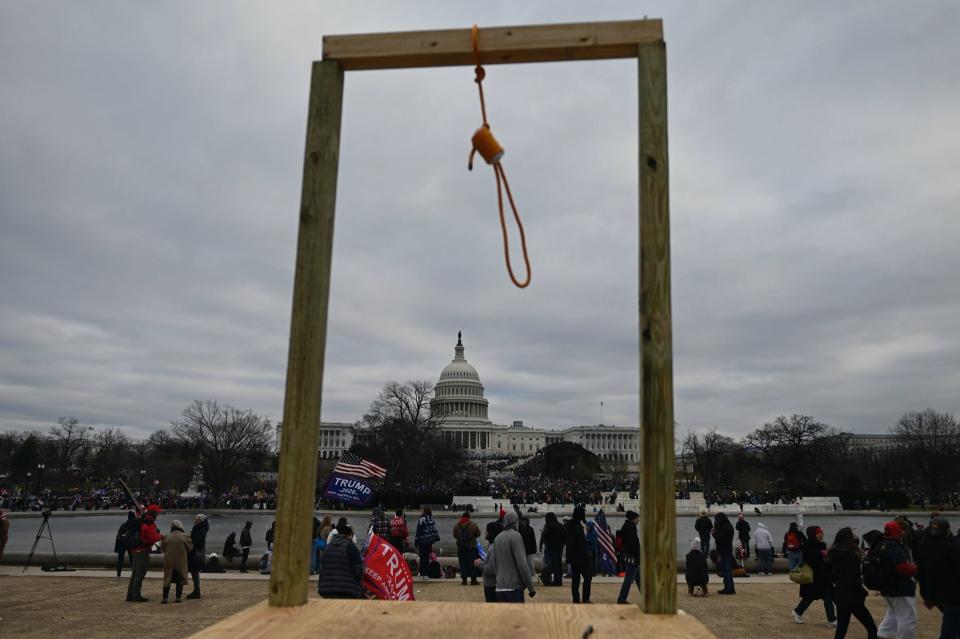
<point>458,395</point>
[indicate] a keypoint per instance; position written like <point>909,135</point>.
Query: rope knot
<point>481,74</point>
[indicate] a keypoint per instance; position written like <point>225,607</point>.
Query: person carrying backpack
<point>849,595</point>
<point>793,541</point>
<point>891,572</point>
<point>123,547</point>
<point>148,535</point>
<point>466,533</point>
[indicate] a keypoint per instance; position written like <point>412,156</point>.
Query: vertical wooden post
<point>658,536</point>
<point>297,477</point>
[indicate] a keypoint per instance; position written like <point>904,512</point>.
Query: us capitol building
<point>458,400</point>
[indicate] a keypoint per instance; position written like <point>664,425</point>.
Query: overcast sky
<point>150,166</point>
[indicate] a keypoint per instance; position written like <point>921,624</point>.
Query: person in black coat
<point>577,557</point>
<point>696,572</point>
<point>552,540</point>
<point>197,557</point>
<point>743,534</point>
<point>939,575</point>
<point>844,559</point>
<point>723,535</point>
<point>342,567</point>
<point>814,555</point>
<point>119,546</point>
<point>630,539</point>
<point>703,526</point>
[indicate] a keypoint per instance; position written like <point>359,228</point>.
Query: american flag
<point>608,553</point>
<point>356,466</point>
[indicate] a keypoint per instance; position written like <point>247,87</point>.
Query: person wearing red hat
<point>899,589</point>
<point>149,535</point>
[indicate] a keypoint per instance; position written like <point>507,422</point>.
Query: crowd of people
<point>892,562</point>
<point>522,490</point>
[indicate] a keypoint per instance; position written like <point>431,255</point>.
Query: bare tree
<point>112,453</point>
<point>70,440</point>
<point>400,433</point>
<point>930,449</point>
<point>229,442</point>
<point>712,457</point>
<point>797,447</point>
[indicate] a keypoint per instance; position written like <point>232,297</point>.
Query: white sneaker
<point>832,624</point>
<point>797,618</point>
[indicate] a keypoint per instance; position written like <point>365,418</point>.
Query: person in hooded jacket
<point>230,547</point>
<point>696,573</point>
<point>510,562</point>
<point>939,575</point>
<point>197,558</point>
<point>763,546</point>
<point>575,539</point>
<point>119,547</point>
<point>342,570</point>
<point>900,590</point>
<point>814,555</point>
<point>793,541</point>
<point>723,535</point>
<point>552,539</point>
<point>176,547</point>
<point>843,560</point>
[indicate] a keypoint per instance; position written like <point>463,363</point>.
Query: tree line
<point>800,455</point>
<point>224,443</point>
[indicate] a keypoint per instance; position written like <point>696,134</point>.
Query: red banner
<point>386,573</point>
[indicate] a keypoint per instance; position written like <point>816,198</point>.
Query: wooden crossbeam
<point>498,45</point>
<point>477,620</point>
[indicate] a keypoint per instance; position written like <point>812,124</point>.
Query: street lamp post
<point>40,469</point>
<point>142,474</point>
<point>156,484</point>
<point>29,482</point>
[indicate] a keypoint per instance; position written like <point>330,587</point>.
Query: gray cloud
<point>150,163</point>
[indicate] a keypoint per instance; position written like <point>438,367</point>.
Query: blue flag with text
<point>349,490</point>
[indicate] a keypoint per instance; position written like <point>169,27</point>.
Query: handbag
<point>802,574</point>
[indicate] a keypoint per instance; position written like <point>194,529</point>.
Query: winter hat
<point>176,525</point>
<point>892,530</point>
<point>580,513</point>
<point>510,520</point>
<point>695,544</point>
<point>200,516</point>
<point>632,515</point>
<point>939,527</point>
<point>154,510</point>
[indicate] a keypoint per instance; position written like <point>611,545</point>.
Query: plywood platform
<point>358,619</point>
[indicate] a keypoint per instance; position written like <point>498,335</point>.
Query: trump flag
<point>386,574</point>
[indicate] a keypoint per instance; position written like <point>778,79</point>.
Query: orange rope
<point>490,150</point>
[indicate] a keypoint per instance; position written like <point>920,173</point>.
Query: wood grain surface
<point>353,618</point>
<point>297,476</point>
<point>657,508</point>
<point>498,45</point>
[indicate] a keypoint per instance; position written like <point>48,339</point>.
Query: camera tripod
<point>56,566</point>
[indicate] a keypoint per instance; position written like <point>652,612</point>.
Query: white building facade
<point>460,403</point>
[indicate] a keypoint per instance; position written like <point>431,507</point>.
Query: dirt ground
<point>93,607</point>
